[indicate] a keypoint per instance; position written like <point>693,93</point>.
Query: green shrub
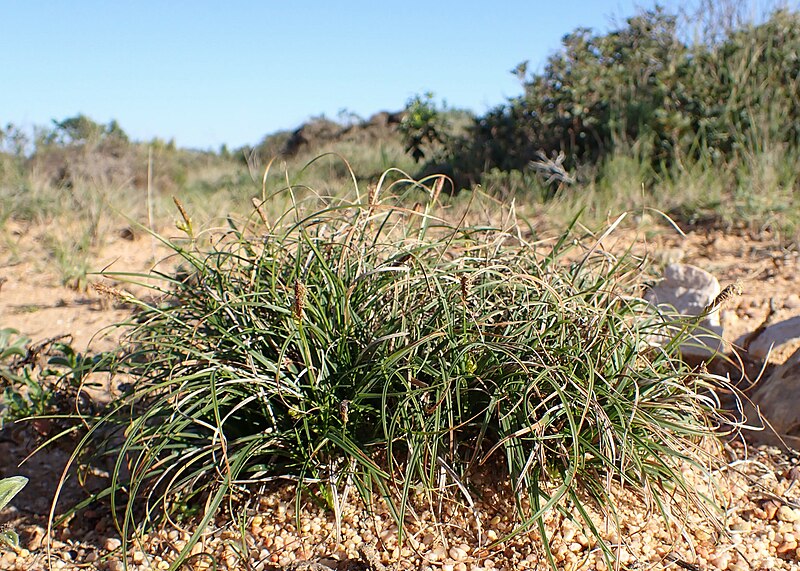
<point>718,98</point>
<point>44,379</point>
<point>10,487</point>
<point>423,127</point>
<point>370,345</point>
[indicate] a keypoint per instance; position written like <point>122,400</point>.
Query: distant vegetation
<point>642,86</point>
<point>639,116</point>
<point>706,129</point>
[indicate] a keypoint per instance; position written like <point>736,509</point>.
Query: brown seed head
<point>730,291</point>
<point>112,292</point>
<point>465,286</point>
<point>187,222</point>
<point>299,299</point>
<point>258,206</point>
<point>437,189</point>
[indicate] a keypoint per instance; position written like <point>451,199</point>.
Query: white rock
<point>688,290</point>
<point>773,337</point>
<point>792,302</point>
<point>437,554</point>
<point>721,561</point>
<point>112,543</point>
<point>785,513</point>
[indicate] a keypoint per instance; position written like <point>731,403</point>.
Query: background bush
<point>644,84</point>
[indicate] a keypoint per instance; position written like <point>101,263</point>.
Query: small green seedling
<point>10,487</point>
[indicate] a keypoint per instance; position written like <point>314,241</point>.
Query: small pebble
<point>37,535</point>
<point>112,544</point>
<point>792,301</point>
<point>771,508</point>
<point>702,535</point>
<point>742,526</point>
<point>439,553</point>
<point>721,560</point>
<point>788,545</point>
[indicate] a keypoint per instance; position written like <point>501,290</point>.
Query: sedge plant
<point>369,345</point>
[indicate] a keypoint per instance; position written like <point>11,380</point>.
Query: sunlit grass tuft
<point>370,345</point>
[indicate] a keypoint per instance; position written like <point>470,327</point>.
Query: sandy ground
<point>34,302</point>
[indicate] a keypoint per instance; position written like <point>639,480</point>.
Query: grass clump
<point>364,345</point>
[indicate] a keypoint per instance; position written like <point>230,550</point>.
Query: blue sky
<point>207,73</point>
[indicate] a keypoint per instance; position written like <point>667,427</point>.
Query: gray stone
<point>688,290</point>
<point>773,338</point>
<point>777,399</point>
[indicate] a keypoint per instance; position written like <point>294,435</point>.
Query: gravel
<point>760,529</point>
